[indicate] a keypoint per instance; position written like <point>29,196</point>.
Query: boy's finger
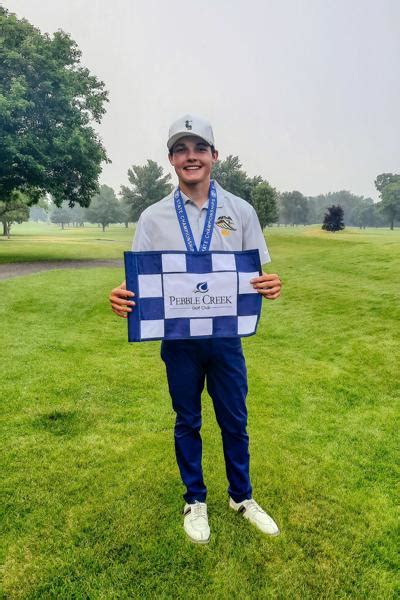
<point>265,277</point>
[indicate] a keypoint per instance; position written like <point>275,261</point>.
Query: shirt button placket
<point>199,223</point>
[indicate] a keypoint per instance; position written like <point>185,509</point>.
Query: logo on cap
<point>188,124</point>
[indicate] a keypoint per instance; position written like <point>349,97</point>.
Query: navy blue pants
<point>221,363</point>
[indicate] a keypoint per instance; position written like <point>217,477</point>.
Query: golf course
<point>92,498</point>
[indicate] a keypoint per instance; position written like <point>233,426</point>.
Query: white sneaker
<point>195,522</point>
<point>256,515</point>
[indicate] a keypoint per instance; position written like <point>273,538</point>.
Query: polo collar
<point>220,197</point>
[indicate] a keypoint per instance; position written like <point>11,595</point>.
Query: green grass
<point>91,489</point>
<point>41,241</point>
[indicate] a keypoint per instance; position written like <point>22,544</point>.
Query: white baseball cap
<point>190,125</point>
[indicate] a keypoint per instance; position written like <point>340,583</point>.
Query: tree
<point>390,204</point>
<point>233,178</point>
<point>149,184</point>
<point>364,214</point>
<point>77,215</point>
<point>124,210</point>
<point>312,210</point>
<point>387,185</point>
<point>384,179</point>
<point>15,210</point>
<point>293,208</point>
<point>333,220</point>
<point>264,199</point>
<point>39,212</point>
<point>104,208</point>
<point>48,102</point>
<point>317,206</point>
<point>61,215</point>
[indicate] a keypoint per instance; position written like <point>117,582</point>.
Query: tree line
<point>148,184</point>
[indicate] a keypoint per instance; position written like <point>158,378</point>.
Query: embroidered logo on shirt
<point>225,224</point>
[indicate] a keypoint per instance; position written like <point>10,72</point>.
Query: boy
<point>219,361</point>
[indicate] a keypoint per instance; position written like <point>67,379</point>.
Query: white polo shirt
<point>236,225</point>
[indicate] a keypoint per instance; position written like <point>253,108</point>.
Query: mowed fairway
<point>92,497</point>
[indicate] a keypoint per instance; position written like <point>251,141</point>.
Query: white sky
<point>305,92</point>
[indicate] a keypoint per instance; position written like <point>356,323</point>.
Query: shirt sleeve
<point>253,237</point>
<point>141,240</point>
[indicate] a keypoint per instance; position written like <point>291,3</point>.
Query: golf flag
<point>187,295</point>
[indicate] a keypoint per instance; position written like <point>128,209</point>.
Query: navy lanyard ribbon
<point>185,225</point>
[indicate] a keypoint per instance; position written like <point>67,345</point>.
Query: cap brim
<point>172,140</point>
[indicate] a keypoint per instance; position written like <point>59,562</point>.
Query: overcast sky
<point>305,92</point>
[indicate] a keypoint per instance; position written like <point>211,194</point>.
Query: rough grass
<point>40,241</point>
<point>92,496</point>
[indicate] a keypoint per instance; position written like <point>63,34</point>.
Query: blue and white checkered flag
<point>185,295</point>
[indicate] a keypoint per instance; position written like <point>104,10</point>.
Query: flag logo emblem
<point>202,287</point>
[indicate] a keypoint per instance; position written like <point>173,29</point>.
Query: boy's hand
<point>119,299</point>
<point>269,285</point>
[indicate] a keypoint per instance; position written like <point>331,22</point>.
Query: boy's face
<point>192,160</point>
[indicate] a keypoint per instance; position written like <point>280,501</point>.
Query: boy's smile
<point>192,160</point>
